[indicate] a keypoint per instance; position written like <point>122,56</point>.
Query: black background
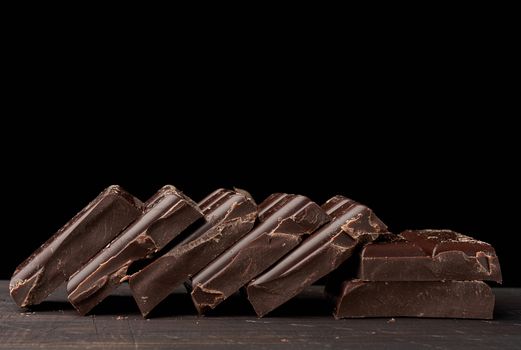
<point>420,135</point>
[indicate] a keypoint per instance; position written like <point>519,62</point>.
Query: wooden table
<point>303,323</point>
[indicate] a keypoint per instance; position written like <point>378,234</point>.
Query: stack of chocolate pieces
<point>425,273</point>
<point>271,251</point>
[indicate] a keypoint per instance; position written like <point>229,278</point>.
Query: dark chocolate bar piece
<point>266,207</point>
<point>429,255</point>
<point>447,299</point>
<point>352,223</point>
<point>167,214</point>
<point>73,245</point>
<point>230,215</point>
<point>285,220</point>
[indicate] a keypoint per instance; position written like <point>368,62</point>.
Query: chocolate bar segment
<point>230,216</point>
<point>73,245</point>
<point>267,206</point>
<point>429,255</point>
<point>206,204</point>
<point>321,253</point>
<point>167,214</point>
<point>285,220</point>
<point>447,299</point>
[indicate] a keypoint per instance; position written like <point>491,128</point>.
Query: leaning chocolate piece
<point>285,221</point>
<point>205,204</point>
<point>321,253</point>
<point>73,245</point>
<point>230,215</point>
<point>168,213</point>
<point>429,255</point>
<point>266,207</point>
<point>447,299</point>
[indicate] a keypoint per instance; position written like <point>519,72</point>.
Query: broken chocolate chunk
<point>429,255</point>
<point>230,215</point>
<point>73,245</point>
<point>285,219</point>
<point>167,214</point>
<point>443,299</point>
<point>352,224</point>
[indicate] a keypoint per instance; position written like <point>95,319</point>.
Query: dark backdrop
<point>417,128</point>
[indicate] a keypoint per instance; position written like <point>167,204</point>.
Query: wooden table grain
<point>303,323</point>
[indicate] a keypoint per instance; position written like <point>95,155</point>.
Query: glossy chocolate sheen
<point>73,245</point>
<point>268,205</point>
<point>429,255</point>
<point>321,253</point>
<point>168,213</point>
<point>230,216</point>
<point>285,219</point>
<point>443,299</point>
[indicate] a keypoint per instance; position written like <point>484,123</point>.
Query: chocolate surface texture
<point>73,245</point>
<point>230,215</point>
<point>352,224</point>
<point>167,214</point>
<point>284,220</point>
<point>419,273</point>
<point>443,299</point>
<point>430,255</point>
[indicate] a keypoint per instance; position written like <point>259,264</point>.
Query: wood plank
<point>303,323</point>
